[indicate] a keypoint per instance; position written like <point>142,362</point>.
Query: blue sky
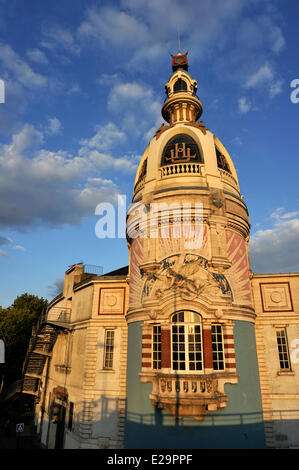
<point>84,85</point>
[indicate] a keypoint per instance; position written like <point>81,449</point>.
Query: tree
<point>16,324</point>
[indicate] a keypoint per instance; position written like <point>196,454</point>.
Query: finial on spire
<point>179,53</point>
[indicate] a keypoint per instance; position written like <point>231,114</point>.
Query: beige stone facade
<point>276,302</point>
<point>80,386</point>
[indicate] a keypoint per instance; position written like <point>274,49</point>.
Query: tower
<point>192,371</point>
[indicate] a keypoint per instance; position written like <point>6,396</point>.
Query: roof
<point>118,272</point>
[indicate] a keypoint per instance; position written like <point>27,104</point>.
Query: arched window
<point>186,341</point>
<point>181,149</point>
<point>180,85</point>
<point>221,161</point>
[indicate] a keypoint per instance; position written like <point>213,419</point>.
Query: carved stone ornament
<point>188,276</point>
<point>189,395</point>
<point>153,315</point>
<point>200,125</point>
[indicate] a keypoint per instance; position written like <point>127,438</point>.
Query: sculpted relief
<point>188,276</point>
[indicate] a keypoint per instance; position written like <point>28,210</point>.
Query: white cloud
<point>59,38</point>
<point>107,79</point>
<point>276,249</point>
<point>54,126</point>
<point>106,137</point>
<point>75,89</point>
<point>265,77</point>
<point>6,241</point>
<point>38,56</point>
<point>19,69</point>
<point>19,248</point>
<point>262,75</point>
<point>54,188</point>
<point>276,88</point>
<point>138,29</point>
<point>244,105</point>
<point>237,141</point>
<point>137,107</point>
<point>29,136</point>
<point>115,26</point>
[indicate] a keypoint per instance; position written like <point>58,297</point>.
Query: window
<point>186,341</point>
<point>180,85</point>
<point>181,149</point>
<point>283,350</point>
<point>157,347</point>
<point>108,349</point>
<point>217,347</point>
<point>221,161</point>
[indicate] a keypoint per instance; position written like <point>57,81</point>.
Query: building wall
<point>76,367</point>
<point>239,425</point>
<point>276,302</point>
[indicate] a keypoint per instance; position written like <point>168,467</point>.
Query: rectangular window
<point>217,347</point>
<point>283,350</point>
<point>108,349</point>
<point>178,347</point>
<point>194,347</point>
<point>187,347</point>
<point>157,347</point>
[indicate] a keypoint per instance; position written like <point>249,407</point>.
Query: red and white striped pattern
<point>229,348</point>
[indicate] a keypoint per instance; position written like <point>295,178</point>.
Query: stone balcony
<point>189,394</point>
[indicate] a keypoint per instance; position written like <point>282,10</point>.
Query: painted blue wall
<point>239,425</point>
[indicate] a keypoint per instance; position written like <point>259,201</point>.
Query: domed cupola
<point>181,104</point>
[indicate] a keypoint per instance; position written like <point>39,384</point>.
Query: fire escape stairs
<point>40,348</point>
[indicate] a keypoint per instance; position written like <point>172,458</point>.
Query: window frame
<point>215,350</point>
<point>285,349</point>
<point>187,350</point>
<point>181,84</point>
<point>109,349</point>
<point>157,350</point>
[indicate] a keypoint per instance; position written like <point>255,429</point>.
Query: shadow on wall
<point>229,431</point>
<point>94,423</point>
<point>97,423</point>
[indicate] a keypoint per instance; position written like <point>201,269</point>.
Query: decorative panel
<point>276,297</point>
<point>112,301</point>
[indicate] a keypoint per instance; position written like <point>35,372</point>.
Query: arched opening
<point>221,161</point>
<point>180,85</point>
<point>181,149</point>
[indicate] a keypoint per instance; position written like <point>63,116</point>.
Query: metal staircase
<point>43,338</point>
<point>40,348</point>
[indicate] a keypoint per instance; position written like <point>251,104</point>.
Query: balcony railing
<point>59,315</point>
<point>228,178</point>
<point>196,169</point>
<point>139,184</point>
<point>187,386</point>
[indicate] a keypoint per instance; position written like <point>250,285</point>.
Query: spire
<point>182,103</point>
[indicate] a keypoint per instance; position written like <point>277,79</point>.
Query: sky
<point>84,85</point>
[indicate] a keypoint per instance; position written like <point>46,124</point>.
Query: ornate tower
<point>192,365</point>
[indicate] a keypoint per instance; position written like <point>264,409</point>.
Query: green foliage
<point>16,324</point>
